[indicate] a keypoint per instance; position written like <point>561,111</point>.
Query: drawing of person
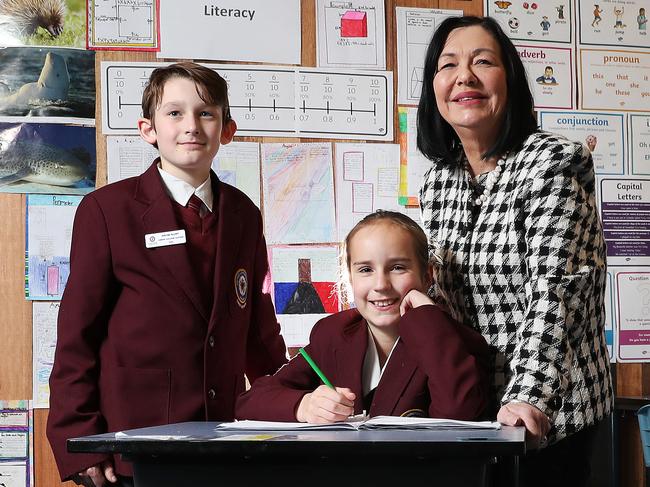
<point>545,23</point>
<point>597,18</point>
<point>641,19</point>
<point>547,78</point>
<point>560,12</point>
<point>618,12</point>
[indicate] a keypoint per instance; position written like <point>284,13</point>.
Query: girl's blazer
<point>136,345</point>
<point>438,369</point>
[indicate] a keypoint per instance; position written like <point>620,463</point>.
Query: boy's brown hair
<point>210,87</point>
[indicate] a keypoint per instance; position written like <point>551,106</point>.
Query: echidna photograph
<point>43,23</point>
<point>47,82</point>
<point>47,158</point>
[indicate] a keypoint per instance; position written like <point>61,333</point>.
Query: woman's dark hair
<point>436,138</point>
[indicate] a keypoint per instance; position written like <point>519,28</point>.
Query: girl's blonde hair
<point>418,237</point>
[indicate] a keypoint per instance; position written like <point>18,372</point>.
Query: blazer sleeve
<point>454,358</point>
<point>566,262</point>
<point>266,351</point>
<point>277,397</point>
<point>81,328</point>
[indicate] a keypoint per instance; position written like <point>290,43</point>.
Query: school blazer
<point>136,346</point>
<point>437,369</point>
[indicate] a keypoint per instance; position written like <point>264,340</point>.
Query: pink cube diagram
<point>354,24</point>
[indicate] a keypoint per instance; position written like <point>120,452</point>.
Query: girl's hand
<point>326,405</point>
<point>413,299</point>
<point>99,475</point>
<point>523,414</point>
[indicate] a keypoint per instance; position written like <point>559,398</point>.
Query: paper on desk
<point>378,422</point>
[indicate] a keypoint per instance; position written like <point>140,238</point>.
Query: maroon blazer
<point>136,345</point>
<point>438,367</point>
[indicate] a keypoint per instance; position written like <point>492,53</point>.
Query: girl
<point>395,354</point>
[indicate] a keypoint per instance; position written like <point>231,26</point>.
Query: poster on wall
<point>44,316</point>
<point>351,34</point>
<point>304,288</point>
<point>639,133</point>
<point>47,158</point>
<point>550,75</point>
<point>16,443</point>
<point>124,26</point>
<point>539,20</point>
<point>625,215</point>
<point>633,318</point>
<point>602,133</point>
<point>49,220</point>
<point>614,80</point>
<point>53,85</point>
<point>232,30</point>
<point>620,23</point>
<point>60,23</point>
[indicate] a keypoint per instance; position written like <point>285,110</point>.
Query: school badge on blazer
<point>241,287</point>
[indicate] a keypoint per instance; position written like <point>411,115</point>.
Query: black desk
<point>313,458</point>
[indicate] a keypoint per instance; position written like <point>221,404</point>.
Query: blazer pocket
<point>134,397</point>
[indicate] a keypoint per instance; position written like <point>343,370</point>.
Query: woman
<point>511,217</point>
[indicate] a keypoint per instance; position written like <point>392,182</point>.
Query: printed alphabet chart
<point>271,101</point>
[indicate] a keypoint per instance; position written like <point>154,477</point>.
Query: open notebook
<point>362,423</point>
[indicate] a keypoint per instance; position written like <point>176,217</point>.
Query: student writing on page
<point>164,310</point>
<point>395,354</point>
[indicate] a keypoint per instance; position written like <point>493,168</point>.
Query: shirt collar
<point>181,191</point>
<point>372,370</point>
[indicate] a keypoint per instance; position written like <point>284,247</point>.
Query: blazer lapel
<point>349,356</point>
<point>393,382</point>
<point>159,217</point>
<point>229,235</point>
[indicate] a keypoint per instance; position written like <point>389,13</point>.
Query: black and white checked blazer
<point>527,268</point>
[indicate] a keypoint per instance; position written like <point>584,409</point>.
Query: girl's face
<point>383,269</point>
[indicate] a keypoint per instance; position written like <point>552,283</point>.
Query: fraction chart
<point>271,100</point>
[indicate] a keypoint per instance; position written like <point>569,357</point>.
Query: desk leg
<point>506,472</point>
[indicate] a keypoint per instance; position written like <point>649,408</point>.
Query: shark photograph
<point>47,158</point>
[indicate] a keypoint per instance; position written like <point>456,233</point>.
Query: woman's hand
<point>413,299</point>
<point>523,414</point>
<point>326,405</point>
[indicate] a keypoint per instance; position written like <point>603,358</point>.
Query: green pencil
<point>316,369</point>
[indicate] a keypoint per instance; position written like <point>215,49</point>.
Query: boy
<point>164,310</point>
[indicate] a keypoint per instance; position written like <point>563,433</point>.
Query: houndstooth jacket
<point>527,269</point>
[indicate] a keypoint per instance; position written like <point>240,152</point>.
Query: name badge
<point>163,239</point>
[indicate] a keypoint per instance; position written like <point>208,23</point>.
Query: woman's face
<point>470,83</point>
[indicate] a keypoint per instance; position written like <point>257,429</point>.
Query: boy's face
<point>548,72</point>
<point>187,130</point>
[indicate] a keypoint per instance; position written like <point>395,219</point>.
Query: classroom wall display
<point>55,85</point>
<point>59,23</point>
<point>533,21</point>
<point>415,27</point>
<point>44,316</point>
<point>232,30</point>
<point>550,75</point>
<point>298,186</point>
<point>271,100</point>
<point>304,288</point>
<point>614,80</point>
<point>123,25</point>
<point>625,214</point>
<point>610,317</point>
<point>620,23</point>
<point>47,250</point>
<point>602,133</point>
<point>16,443</point>
<point>639,130</point>
<point>633,316</point>
<point>47,158</point>
<point>351,34</point>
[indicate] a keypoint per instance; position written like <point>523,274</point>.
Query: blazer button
<point>211,341</point>
<point>212,394</point>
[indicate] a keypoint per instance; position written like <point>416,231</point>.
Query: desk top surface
<point>202,438</point>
